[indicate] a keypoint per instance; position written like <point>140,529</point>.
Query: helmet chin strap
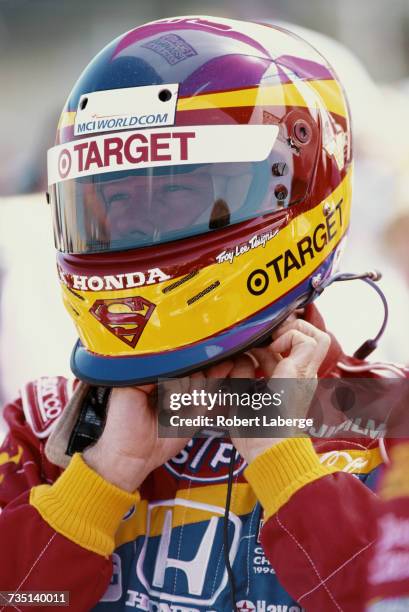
<point>371,278</point>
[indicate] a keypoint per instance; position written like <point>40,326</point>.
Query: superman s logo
<point>126,318</point>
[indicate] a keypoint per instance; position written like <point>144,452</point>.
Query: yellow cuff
<point>83,507</point>
<point>282,470</point>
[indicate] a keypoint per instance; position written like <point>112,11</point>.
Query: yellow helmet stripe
<point>289,94</point>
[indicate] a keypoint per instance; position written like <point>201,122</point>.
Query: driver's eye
<point>173,188</point>
<point>117,197</point>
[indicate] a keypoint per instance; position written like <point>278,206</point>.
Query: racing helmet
<point>200,185</point>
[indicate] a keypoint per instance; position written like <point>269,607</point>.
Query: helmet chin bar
<point>371,278</point>
<point>317,286</point>
<point>258,340</point>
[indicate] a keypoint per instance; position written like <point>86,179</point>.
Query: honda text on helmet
<point>201,179</point>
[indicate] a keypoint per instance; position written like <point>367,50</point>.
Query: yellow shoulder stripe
<point>190,506</point>
<point>244,498</point>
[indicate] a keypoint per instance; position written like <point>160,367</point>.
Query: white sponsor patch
<point>43,402</point>
<point>112,282</point>
<point>158,147</point>
<point>123,109</point>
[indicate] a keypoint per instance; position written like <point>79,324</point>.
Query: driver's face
<point>138,208</point>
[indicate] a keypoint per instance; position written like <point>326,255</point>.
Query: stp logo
<point>126,318</point>
<point>205,460</point>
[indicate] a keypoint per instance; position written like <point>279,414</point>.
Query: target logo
<point>257,282</point>
<point>64,163</point>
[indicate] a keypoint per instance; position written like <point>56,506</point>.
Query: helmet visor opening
<point>139,208</point>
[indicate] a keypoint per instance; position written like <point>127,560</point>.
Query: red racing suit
<point>300,524</point>
<point>388,574</point>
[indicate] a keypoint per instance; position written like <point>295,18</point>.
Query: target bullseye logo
<point>258,282</point>
<point>64,163</point>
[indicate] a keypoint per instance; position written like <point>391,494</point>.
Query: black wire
<point>229,569</point>
<point>385,307</point>
<point>366,348</point>
<point>370,278</point>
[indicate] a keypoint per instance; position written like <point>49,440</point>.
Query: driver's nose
<point>131,217</point>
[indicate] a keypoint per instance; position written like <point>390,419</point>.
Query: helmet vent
<point>208,289</point>
<point>77,295</point>
<point>179,282</point>
<point>281,192</point>
<point>77,314</point>
<point>302,131</point>
<point>279,169</point>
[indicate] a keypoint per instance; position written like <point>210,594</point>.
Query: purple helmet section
<point>193,23</point>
